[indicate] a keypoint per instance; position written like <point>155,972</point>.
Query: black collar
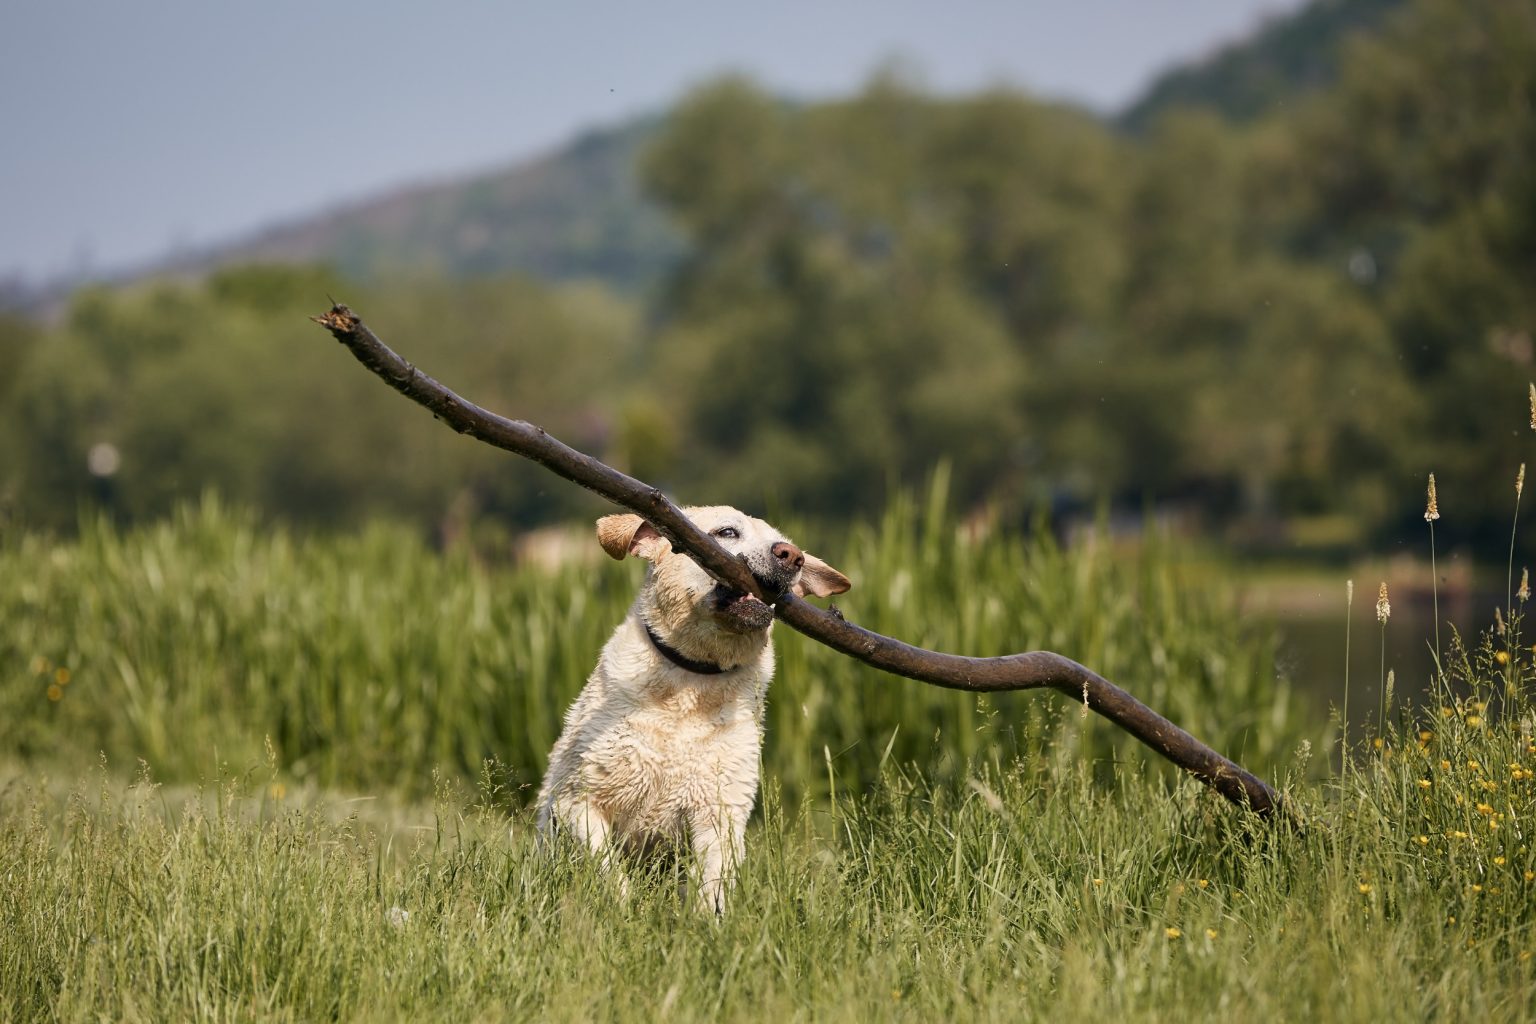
<point>678,658</point>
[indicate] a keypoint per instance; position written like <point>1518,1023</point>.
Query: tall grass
<point>1032,893</point>
<point>919,855</point>
<point>370,661</point>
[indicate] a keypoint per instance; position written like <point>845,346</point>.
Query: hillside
<point>574,214</point>
<point>578,213</point>
<point>1289,55</point>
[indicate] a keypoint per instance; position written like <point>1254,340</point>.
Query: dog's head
<point>684,602</point>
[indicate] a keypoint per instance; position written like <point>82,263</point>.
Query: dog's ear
<point>627,534</point>
<point>819,579</point>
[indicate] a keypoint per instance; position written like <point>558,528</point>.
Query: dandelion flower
<point>61,676</point>
<point>1530,876</point>
<point>1499,861</point>
<point>1365,887</point>
<point>1502,657</point>
<point>1211,933</point>
<point>1423,840</point>
<point>1432,506</point>
<point>1203,883</point>
<point>1383,606</point>
<point>1172,932</point>
<point>55,692</point>
<point>1424,783</point>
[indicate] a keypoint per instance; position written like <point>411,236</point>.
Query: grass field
<point>337,736</point>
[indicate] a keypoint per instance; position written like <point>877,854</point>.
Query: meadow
<point>253,774</point>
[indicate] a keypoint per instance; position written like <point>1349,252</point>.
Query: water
<point>1312,644</point>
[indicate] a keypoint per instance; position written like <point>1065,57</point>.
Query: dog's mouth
<point>739,612</point>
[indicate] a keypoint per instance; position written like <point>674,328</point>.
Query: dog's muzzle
<point>743,613</point>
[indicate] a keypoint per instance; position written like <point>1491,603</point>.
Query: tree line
<point>1282,323</point>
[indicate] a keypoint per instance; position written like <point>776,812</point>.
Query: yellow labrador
<point>661,748</point>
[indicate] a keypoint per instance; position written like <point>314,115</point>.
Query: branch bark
<point>1029,670</point>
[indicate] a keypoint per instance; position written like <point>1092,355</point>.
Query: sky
<point>132,130</point>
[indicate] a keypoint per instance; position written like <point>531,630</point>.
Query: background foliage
<point>1278,318</point>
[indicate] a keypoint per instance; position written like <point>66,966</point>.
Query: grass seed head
<point>1432,506</point>
<point>1520,480</point>
<point>1383,606</point>
<point>1524,593</point>
<point>1533,406</point>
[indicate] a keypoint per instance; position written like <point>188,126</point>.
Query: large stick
<point>1030,670</point>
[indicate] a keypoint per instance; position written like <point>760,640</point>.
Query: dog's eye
<point>727,533</point>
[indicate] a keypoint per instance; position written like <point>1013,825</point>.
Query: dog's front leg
<point>718,843</point>
<point>590,827</point>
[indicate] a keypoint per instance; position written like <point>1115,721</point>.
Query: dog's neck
<point>678,658</point>
<point>714,657</point>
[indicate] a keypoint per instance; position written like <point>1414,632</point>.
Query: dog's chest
<point>681,751</point>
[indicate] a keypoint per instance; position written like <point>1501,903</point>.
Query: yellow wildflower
<point>1211,933</point>
<point>1502,657</point>
<point>1098,881</point>
<point>1423,840</point>
<point>1172,932</point>
<point>1424,783</point>
<point>1204,882</point>
<point>55,692</point>
<point>1365,887</point>
<point>1499,861</point>
<point>61,676</point>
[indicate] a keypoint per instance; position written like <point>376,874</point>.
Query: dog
<point>660,751</point>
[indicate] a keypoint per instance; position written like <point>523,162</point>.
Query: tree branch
<point>1029,670</point>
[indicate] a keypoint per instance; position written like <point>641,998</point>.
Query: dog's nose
<point>787,556</point>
